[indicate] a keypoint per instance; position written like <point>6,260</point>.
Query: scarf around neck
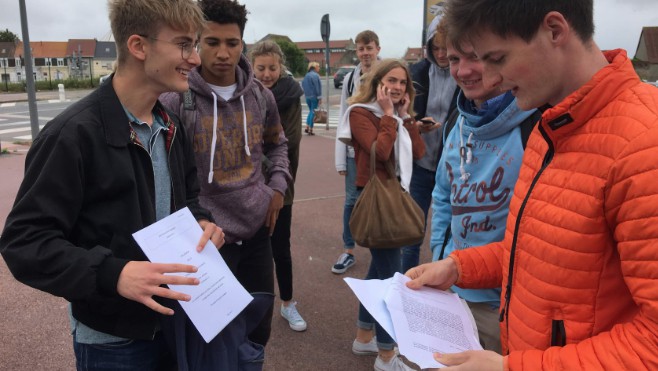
<point>402,146</point>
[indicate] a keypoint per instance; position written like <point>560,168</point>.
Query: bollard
<point>62,94</point>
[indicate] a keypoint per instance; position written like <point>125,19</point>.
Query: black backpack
<point>526,128</point>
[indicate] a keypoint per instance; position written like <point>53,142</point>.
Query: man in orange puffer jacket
<point>579,261</point>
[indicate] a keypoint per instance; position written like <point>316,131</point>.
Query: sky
<point>397,22</point>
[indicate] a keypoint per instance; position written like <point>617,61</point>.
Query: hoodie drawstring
<point>244,125</point>
<point>211,172</point>
<point>213,146</point>
<point>465,152</point>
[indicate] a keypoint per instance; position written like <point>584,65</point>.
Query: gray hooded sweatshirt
<point>230,140</point>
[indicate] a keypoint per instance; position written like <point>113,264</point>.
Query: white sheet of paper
<point>371,294</point>
<point>219,297</point>
<point>429,321</point>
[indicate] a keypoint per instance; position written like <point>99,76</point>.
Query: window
<point>18,62</point>
<point>4,62</point>
<point>60,62</point>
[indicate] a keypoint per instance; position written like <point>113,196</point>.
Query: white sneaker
<point>293,317</point>
<point>365,349</point>
<point>394,364</point>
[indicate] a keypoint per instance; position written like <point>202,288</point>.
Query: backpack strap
<point>350,84</point>
<point>187,110</point>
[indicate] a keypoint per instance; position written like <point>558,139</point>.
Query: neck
<point>589,59</point>
<point>134,92</point>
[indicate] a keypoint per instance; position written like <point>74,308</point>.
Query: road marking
<point>13,104</point>
<point>17,130</point>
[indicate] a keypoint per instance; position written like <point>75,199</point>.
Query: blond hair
<point>267,47</point>
<point>368,89</point>
<point>147,17</point>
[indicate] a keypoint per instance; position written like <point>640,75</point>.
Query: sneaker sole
<point>340,271</point>
<point>363,352</point>
<point>297,328</point>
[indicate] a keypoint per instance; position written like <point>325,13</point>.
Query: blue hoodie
<point>473,196</point>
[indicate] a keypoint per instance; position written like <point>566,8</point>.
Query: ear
<point>137,46</point>
<point>557,27</point>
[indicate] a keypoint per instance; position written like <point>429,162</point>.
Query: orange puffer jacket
<point>579,261</point>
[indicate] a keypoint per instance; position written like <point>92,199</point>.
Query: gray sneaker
<point>345,261</point>
<point>293,317</point>
<point>365,349</point>
<point>394,364</point>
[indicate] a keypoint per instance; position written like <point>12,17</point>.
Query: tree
<point>294,57</point>
<point>8,36</point>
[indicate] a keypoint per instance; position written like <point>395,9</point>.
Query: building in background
<point>646,54</point>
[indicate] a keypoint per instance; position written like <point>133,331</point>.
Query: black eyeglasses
<point>186,47</point>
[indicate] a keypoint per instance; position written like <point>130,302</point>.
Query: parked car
<point>340,75</point>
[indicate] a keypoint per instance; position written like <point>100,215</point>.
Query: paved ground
<point>34,326</point>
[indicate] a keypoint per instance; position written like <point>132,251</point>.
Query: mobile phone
<point>427,122</point>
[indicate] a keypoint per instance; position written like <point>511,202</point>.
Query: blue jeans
<point>132,355</point>
<point>312,106</point>
<point>350,199</point>
<point>420,188</point>
<point>384,264</point>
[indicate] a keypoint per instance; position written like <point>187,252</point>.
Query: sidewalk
<point>34,325</point>
<point>44,95</point>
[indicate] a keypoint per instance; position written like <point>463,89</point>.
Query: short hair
<point>366,37</point>
<point>225,12</point>
<point>522,18</point>
<point>267,47</point>
<point>313,65</point>
<point>145,17</point>
<point>368,88</point>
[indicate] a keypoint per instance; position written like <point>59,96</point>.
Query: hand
<point>342,172</point>
<point>481,360</point>
<point>210,232</point>
<point>439,274</point>
<point>403,106</point>
<point>384,100</point>
<point>141,280</point>
<point>273,212</point>
<point>424,127</point>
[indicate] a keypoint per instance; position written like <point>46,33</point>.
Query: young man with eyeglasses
<point>109,165</point>
<point>236,130</point>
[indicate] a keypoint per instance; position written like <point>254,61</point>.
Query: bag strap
<point>373,156</point>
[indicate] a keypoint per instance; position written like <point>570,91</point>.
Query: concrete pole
<point>31,91</point>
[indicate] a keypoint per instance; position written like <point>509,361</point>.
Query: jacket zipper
<point>548,157</point>
<point>171,179</point>
<point>558,334</point>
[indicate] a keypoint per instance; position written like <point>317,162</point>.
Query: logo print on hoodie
<point>231,163</point>
<point>483,192</point>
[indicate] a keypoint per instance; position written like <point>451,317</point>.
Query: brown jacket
<point>367,128</point>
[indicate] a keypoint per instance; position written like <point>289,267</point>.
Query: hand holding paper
<point>422,322</point>
<point>218,298</point>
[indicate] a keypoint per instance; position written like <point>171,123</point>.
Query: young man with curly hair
<point>235,128</point>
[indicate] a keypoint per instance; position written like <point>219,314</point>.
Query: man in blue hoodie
<point>234,123</point>
<point>436,97</point>
<point>475,177</point>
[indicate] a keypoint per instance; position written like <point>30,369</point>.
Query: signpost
<point>325,30</point>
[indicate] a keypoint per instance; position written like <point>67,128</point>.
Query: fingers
<point>210,232</point>
<point>272,221</point>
